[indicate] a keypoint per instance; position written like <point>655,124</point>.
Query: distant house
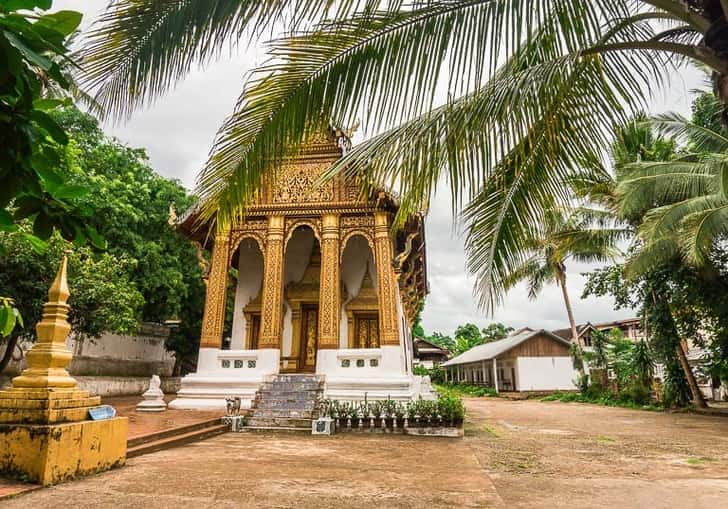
<point>428,354</point>
<point>631,328</point>
<point>526,360</point>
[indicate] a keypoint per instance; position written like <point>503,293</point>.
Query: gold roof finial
<point>58,292</point>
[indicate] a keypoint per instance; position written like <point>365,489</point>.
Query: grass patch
<point>467,390</point>
<point>604,439</point>
<point>602,399</point>
<point>698,461</point>
<point>484,429</point>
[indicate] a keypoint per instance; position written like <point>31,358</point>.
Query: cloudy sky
<point>178,131</point>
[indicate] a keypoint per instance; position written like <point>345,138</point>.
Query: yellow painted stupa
<point>45,431</point>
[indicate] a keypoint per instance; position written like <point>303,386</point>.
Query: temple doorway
<point>301,297</point>
<point>308,338</point>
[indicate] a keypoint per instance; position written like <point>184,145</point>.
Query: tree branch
<point>699,53</point>
<point>682,11</point>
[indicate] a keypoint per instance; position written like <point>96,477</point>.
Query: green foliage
<point>442,341</point>
<point>606,399</point>
<point>577,357</point>
<point>420,370</point>
<point>467,390</point>
<point>102,296</point>
<point>131,205</point>
<point>10,316</point>
<point>506,140</point>
<point>437,374</point>
<point>450,407</point>
<point>599,342</point>
<point>642,365</point>
<point>467,336</point>
<point>149,271</point>
<point>33,46</point>
<point>447,409</point>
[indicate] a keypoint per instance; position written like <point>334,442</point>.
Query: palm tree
<point>684,200</point>
<point>531,88</point>
<point>561,238</point>
<point>683,203</point>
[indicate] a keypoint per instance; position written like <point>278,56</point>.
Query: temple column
<point>330,285</point>
<point>271,315</point>
<point>386,281</point>
<point>213,320</point>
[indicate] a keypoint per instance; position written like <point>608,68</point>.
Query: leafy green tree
<point>533,88</point>
<point>441,340</point>
<point>149,257</point>
<point>600,342</point>
<point>131,205</point>
<point>102,296</point>
<point>495,332</point>
<point>32,43</point>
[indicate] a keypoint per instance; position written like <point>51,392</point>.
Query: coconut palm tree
<point>684,201</point>
<point>562,238</point>
<point>499,99</point>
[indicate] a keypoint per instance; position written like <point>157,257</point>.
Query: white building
<point>526,360</point>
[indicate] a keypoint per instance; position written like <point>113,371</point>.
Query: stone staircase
<point>286,402</point>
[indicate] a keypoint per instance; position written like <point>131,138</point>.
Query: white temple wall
<point>250,280</point>
<point>356,258</point>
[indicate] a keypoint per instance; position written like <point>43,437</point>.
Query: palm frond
<point>386,67</point>
<point>705,139</point>
<point>137,50</point>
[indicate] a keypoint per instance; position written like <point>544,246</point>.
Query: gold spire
<point>58,292</point>
<point>48,358</point>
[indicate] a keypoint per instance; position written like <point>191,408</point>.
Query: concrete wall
<point>250,280</point>
<point>545,373</point>
<point>117,355</point>
<point>113,364</point>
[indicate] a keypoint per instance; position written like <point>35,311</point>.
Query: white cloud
<point>178,130</point>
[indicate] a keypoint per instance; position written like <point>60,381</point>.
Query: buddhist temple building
<point>324,285</point>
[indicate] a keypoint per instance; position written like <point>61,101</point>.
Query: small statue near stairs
<point>154,397</point>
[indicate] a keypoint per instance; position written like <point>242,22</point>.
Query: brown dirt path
<point>286,471</point>
<point>516,454</point>
<point>550,454</point>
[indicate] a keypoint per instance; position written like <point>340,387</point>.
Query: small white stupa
<point>154,397</point>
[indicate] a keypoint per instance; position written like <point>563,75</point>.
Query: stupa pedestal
<point>153,398</point>
<point>45,433</point>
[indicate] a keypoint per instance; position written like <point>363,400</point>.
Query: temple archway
<point>301,281</point>
<point>359,324</point>
<point>248,260</point>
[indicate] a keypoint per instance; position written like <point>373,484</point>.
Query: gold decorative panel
<point>297,184</point>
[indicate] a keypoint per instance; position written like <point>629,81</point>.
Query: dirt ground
<point>515,454</point>
<point>550,454</point>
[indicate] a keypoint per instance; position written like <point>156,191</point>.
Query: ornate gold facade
<point>335,212</point>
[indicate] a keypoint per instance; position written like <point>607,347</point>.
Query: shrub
<point>636,393</point>
<point>468,390</point>
<point>450,407</point>
<point>437,375</point>
<point>420,370</point>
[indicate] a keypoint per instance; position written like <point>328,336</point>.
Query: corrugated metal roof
<point>493,349</point>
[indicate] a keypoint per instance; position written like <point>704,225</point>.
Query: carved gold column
<point>330,286</point>
<point>213,320</point>
<point>386,281</point>
<point>271,315</point>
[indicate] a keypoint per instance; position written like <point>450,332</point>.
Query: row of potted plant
<point>446,410</point>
